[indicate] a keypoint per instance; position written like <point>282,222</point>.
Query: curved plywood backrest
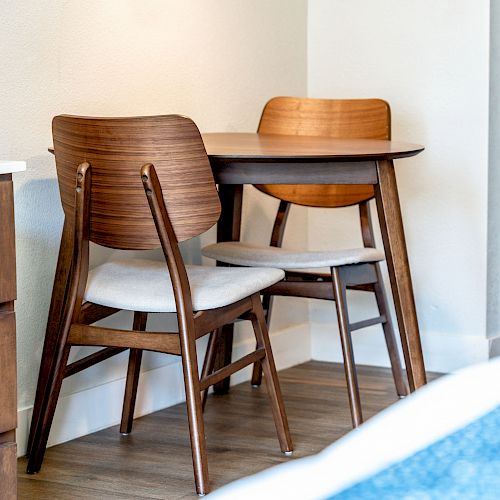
<point>116,149</point>
<point>339,118</point>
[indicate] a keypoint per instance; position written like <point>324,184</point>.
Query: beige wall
<point>217,61</point>
<point>430,61</point>
<point>494,184</point>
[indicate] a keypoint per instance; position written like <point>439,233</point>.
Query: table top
<point>274,147</point>
<point>283,147</point>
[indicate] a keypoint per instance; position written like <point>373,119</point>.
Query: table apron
<point>247,172</point>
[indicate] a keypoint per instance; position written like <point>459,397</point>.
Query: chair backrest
<point>116,149</point>
<point>339,118</point>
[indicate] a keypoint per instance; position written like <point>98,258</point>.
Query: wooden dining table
<point>251,158</point>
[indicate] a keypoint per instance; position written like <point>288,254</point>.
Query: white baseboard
<point>442,352</point>
<point>100,407</point>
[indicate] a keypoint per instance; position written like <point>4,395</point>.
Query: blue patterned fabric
<point>464,465</point>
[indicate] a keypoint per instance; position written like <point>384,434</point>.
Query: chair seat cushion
<point>246,254</point>
<point>145,285</point>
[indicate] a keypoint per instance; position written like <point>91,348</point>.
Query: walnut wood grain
<point>288,171</point>
<point>7,241</point>
<point>8,387</point>
<point>228,370</point>
<point>116,197</point>
<point>254,147</point>
<point>391,225</point>
<point>8,469</point>
<point>306,289</point>
<point>331,195</point>
<point>277,235</point>
<point>339,290</point>
<point>50,383</point>
<point>8,383</point>
<point>345,118</point>
<point>207,321</point>
<point>270,376</point>
<point>359,325</point>
<point>112,337</point>
<point>228,229</point>
<point>119,213</point>
<point>90,313</point>
<point>336,118</point>
<point>188,331</point>
<point>133,373</point>
<point>91,360</point>
<point>209,362</point>
<point>52,332</point>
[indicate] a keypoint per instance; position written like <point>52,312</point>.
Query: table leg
<point>53,321</point>
<point>228,229</point>
<point>391,224</point>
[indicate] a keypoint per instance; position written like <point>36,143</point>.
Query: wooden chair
<point>349,269</point>
<point>105,195</point>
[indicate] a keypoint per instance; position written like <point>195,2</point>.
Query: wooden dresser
<point>8,387</point>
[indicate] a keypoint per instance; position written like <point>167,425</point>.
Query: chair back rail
<point>116,149</point>
<point>338,118</point>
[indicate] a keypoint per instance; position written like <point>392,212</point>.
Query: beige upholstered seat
<point>247,254</point>
<point>145,285</point>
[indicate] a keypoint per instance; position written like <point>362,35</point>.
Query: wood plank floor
<point>155,461</point>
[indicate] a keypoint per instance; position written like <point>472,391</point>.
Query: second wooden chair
<point>356,268</point>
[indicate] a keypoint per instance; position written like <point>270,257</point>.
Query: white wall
<point>217,61</point>
<point>494,184</point>
<point>430,61</point>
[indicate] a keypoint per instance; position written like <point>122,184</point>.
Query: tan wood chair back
<point>338,118</point>
<point>116,149</point>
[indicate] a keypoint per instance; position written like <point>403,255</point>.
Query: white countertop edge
<point>9,167</point>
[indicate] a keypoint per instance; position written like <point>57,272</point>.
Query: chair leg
<point>267,305</point>
<point>46,375</point>
<point>194,411</point>
<point>41,427</point>
<point>271,377</point>
<point>209,362</point>
<point>390,338</point>
<point>51,386</point>
<point>133,371</point>
<point>339,291</point>
<point>51,343</point>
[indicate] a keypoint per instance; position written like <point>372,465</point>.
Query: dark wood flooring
<point>155,461</point>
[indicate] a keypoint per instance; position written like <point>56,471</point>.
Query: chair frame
<point>333,286</point>
<point>74,330</point>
